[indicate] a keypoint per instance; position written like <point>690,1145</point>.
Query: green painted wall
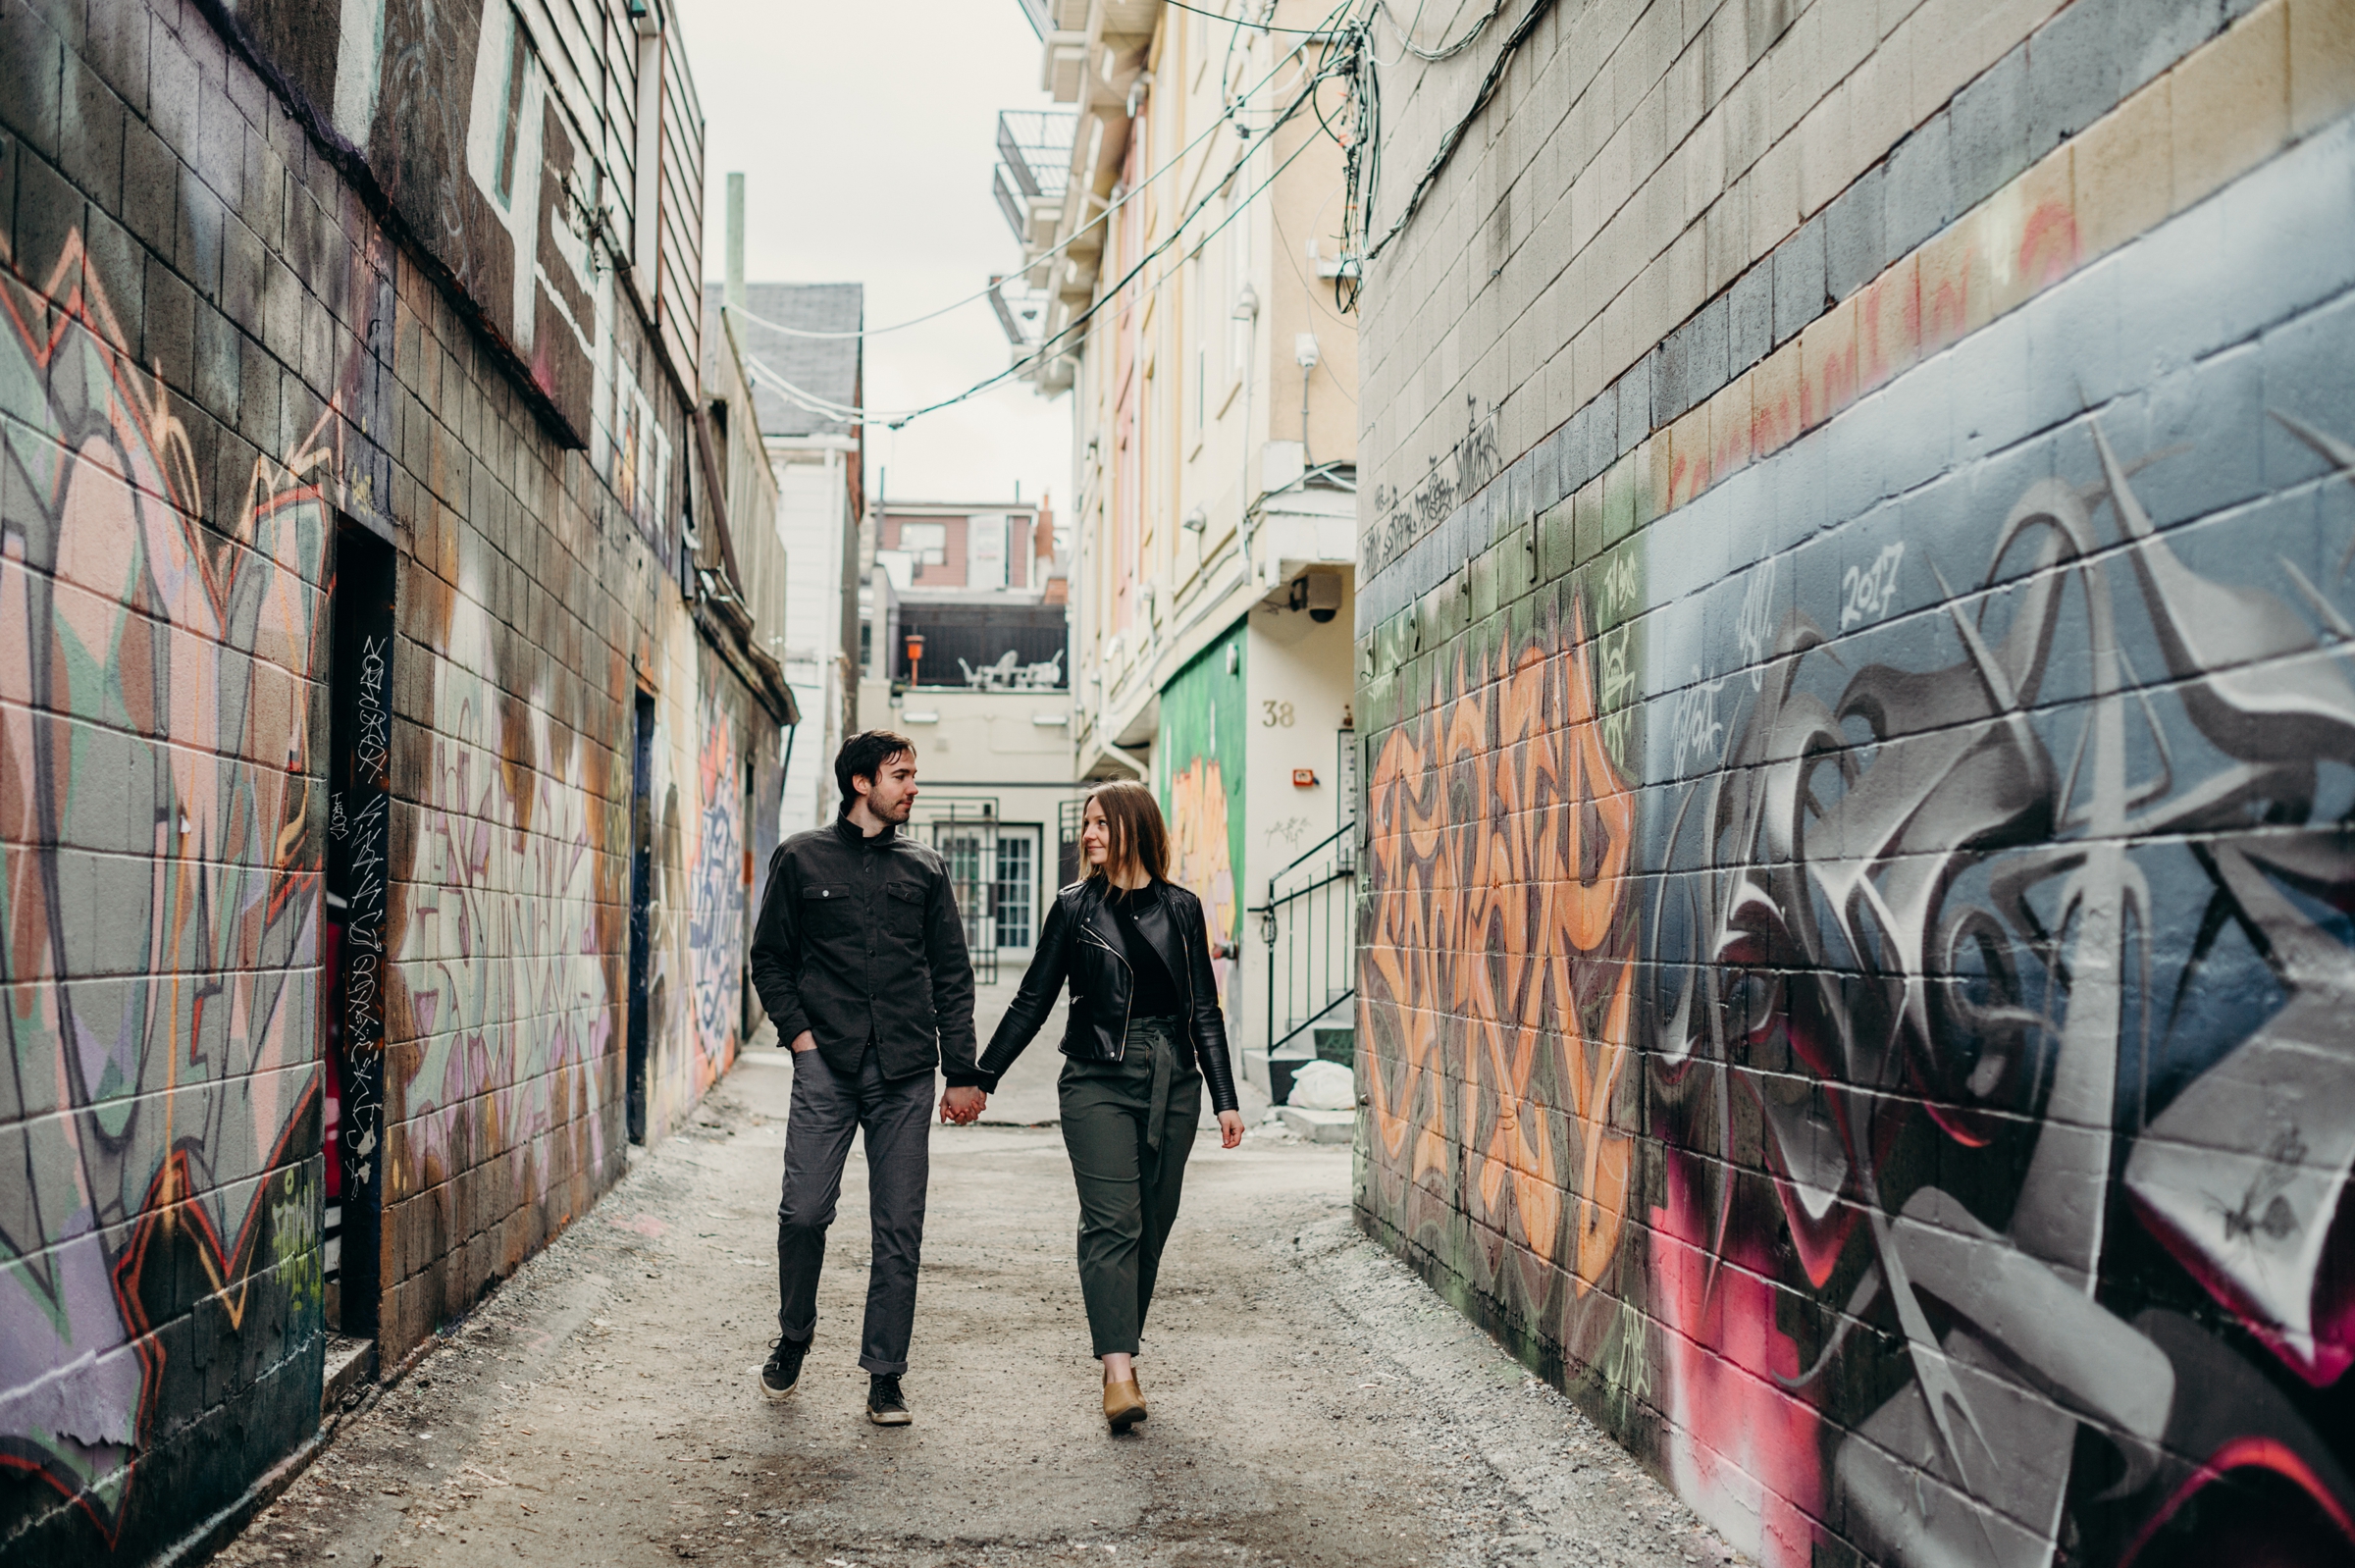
<point>1198,776</point>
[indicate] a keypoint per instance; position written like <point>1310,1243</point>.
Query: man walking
<point>860,961</point>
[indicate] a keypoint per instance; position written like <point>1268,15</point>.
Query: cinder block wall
<point>1859,729</point>
<point>218,345</point>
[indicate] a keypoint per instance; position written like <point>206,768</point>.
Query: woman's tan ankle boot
<point>1123,1404</point>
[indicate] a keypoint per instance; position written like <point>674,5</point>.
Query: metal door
<point>994,867</point>
<point>1014,890</point>
<point>970,849</point>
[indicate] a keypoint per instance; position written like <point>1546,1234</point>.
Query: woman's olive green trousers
<point>1129,1125</point>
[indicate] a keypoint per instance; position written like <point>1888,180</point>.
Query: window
<point>928,543</point>
<point>1198,324</point>
<point>1015,876</point>
<point>1238,278</point>
<point>519,69</point>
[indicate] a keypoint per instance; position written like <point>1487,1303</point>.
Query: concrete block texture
<point>1799,281</point>
<point>1875,588</point>
<point>1988,136</point>
<point>1909,185</point>
<point>228,385</point>
<point>1856,243</point>
<point>2015,557</point>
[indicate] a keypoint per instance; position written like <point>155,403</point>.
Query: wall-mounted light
<point>1304,350</point>
<point>911,717</point>
<point>1318,593</point>
<point>1195,521</point>
<point>1246,305</point>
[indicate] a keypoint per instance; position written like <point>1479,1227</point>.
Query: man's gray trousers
<point>896,1117</point>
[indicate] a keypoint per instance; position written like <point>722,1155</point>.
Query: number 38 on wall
<point>1274,714</point>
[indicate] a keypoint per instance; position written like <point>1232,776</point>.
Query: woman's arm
<point>1033,1000</point>
<point>1209,1024</point>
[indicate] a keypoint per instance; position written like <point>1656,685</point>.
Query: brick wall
<point>1856,738</point>
<point>229,373</point>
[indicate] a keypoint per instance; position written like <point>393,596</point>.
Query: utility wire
<point>1455,132</point>
<point>1104,297</point>
<point>1232,110</point>
<point>1446,51</point>
<point>1257,26</point>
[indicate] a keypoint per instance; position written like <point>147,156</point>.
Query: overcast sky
<point>866,135</point>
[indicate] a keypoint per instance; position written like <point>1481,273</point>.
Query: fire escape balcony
<point>1034,166</point>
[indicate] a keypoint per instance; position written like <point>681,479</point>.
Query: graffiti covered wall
<point>216,365</point>
<point>1199,755</point>
<point>159,834</point>
<point>1854,946</point>
<point>699,920</point>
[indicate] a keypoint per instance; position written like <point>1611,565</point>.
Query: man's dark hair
<point>864,756</point>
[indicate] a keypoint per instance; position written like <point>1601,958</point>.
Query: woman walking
<point>1144,1035</point>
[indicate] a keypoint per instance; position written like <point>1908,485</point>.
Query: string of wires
<point>1366,251</point>
<point>1056,343</point>
<point>1350,57</point>
<point>1230,113</point>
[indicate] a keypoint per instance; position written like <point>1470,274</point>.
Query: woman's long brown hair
<point>1132,821</point>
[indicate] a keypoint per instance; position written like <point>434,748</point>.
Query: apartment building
<point>1178,233</point>
<point>384,706</point>
<point>801,343</point>
<point>967,653</point>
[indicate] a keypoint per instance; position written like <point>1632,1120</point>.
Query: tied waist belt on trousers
<point>1163,1032</point>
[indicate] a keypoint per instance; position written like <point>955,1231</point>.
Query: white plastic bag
<point>1324,1086</point>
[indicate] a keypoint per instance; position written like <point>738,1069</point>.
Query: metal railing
<point>1036,148</point>
<point>1034,152</point>
<point>1309,928</point>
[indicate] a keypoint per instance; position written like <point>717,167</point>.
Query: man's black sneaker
<point>886,1406</point>
<point>783,1374</point>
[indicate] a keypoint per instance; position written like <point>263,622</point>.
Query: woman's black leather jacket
<point>1080,941</point>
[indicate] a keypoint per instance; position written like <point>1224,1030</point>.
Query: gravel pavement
<point>1313,1403</point>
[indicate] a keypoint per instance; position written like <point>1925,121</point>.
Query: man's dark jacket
<point>859,939</point>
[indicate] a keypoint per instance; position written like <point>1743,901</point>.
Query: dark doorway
<point>750,836</point>
<point>358,833</point>
<point>642,892</point>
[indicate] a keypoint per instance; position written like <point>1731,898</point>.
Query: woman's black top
<point>1155,993</point>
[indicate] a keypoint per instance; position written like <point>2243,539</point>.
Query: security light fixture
<point>1318,593</point>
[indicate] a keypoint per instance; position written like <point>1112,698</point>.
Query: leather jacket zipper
<point>1122,1056</point>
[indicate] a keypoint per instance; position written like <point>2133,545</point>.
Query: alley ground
<point>1313,1403</point>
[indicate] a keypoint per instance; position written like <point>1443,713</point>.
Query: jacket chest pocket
<point>828,909</point>
<point>904,909</point>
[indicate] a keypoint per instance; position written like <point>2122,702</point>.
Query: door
<point>642,887</point>
<point>1014,890</point>
<point>352,938</point>
<point>970,849</point>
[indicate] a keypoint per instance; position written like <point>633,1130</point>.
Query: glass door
<point>1015,892</point>
<point>970,849</point>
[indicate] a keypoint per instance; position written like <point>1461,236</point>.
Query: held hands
<point>1231,1129</point>
<point>962,1107</point>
